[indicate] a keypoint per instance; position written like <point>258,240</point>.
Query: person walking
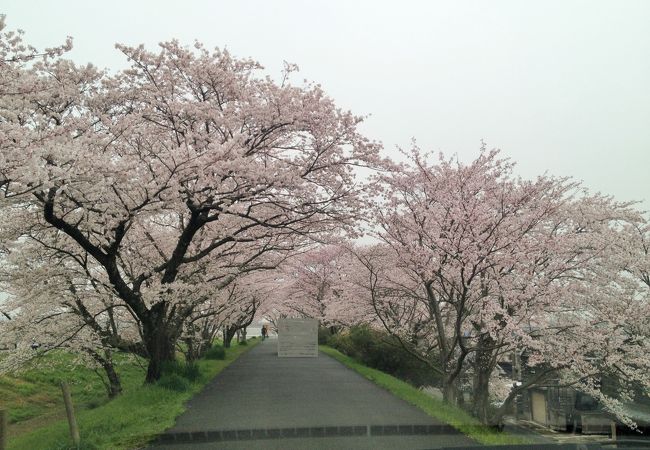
<point>265,332</point>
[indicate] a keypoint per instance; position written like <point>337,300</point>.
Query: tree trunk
<point>161,352</point>
<point>198,344</point>
<point>228,334</point>
<point>193,350</point>
<point>114,387</point>
<point>483,368</point>
<point>159,341</point>
<point>501,411</point>
<point>243,335</point>
<point>481,396</point>
<point>204,345</point>
<point>449,381</point>
<point>449,391</point>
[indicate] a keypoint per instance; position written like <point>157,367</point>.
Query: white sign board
<point>298,337</point>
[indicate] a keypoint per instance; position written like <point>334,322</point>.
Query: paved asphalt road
<point>265,402</point>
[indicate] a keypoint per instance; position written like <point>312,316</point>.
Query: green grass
<point>129,421</point>
<point>36,391</point>
<point>435,408</point>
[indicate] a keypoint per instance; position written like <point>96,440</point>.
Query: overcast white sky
<point>559,86</point>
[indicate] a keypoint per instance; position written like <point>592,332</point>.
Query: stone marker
<point>297,338</point>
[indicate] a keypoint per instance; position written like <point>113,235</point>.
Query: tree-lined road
<point>314,403</point>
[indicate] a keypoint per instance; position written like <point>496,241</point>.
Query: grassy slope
<point>129,421</point>
<point>456,417</point>
<point>36,394</point>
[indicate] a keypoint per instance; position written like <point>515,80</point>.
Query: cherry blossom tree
<point>240,314</point>
<point>186,156</point>
<point>56,304</point>
<point>587,318</point>
<point>21,92</point>
<point>475,263</point>
<point>201,328</point>
<point>233,308</point>
<point>311,282</point>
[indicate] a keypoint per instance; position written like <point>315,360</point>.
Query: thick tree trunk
<point>228,335</point>
<point>159,339</point>
<point>161,352</point>
<point>449,391</point>
<point>481,396</point>
<point>483,368</point>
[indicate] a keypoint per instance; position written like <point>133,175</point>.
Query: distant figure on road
<point>265,332</point>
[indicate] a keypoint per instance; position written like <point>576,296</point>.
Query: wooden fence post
<point>613,427</point>
<point>4,429</point>
<point>69,410</point>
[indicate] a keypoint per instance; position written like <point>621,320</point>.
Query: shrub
<point>379,350</point>
<point>174,382</point>
<point>243,343</point>
<point>342,343</point>
<point>216,352</point>
<point>324,335</point>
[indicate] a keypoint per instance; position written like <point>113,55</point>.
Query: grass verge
<point>131,420</point>
<point>435,408</point>
<point>33,395</point>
